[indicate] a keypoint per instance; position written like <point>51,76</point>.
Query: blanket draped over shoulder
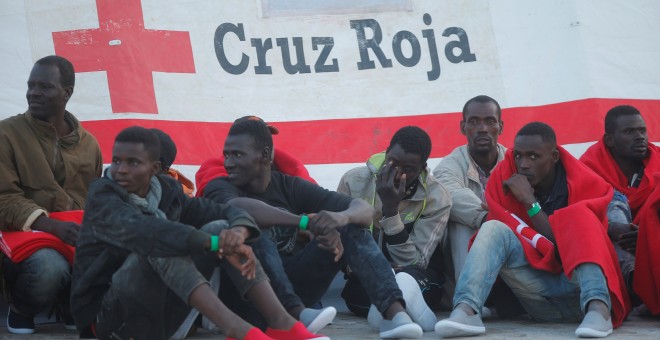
<point>580,229</point>
<point>644,203</point>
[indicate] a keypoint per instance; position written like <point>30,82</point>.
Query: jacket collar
<point>47,129</point>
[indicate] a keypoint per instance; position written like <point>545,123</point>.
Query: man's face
<point>132,167</point>
<point>409,164</point>
<point>45,95</point>
<point>629,140</point>
<point>535,159</point>
<point>481,126</point>
<point>243,161</point>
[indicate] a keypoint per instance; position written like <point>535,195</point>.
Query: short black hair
<point>618,111</point>
<point>483,99</point>
<point>412,139</point>
<point>140,135</point>
<point>167,149</point>
<point>539,129</point>
<point>256,129</point>
<point>67,73</point>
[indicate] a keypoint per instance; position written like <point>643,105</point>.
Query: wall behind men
<point>337,78</point>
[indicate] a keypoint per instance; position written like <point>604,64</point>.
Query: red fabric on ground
<point>19,245</point>
<point>215,167</point>
<point>646,282</point>
<point>580,229</point>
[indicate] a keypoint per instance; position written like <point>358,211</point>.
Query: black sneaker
<point>19,324</point>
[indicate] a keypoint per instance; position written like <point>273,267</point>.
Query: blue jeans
<point>38,281</point>
<point>619,211</point>
<point>303,278</point>
<point>546,297</point>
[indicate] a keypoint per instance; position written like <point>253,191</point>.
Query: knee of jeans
<point>49,267</point>
<point>215,227</point>
<point>494,228</point>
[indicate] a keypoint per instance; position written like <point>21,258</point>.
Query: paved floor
<point>348,326</point>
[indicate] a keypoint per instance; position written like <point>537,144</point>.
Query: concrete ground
<point>348,327</point>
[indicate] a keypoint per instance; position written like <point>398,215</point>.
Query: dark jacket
<point>113,228</point>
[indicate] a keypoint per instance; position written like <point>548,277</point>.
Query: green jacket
<point>428,209</point>
<point>41,172</point>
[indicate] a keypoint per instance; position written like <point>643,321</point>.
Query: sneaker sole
<point>323,319</point>
<point>410,331</point>
<point>450,329</point>
<point>20,330</point>
<point>591,333</point>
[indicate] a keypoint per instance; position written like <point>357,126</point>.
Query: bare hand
<point>519,186</point>
<point>243,259</point>
<point>320,222</point>
<point>231,239</point>
<point>66,231</point>
<point>389,193</point>
<point>624,234</point>
<point>331,242</point>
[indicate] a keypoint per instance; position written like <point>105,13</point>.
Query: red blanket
<point>646,281</point>
<point>215,167</point>
<point>644,202</point>
<point>580,229</point>
<point>19,245</point>
<point>599,159</point>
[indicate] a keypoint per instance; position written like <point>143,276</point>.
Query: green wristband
<point>536,207</point>
<point>215,243</point>
<point>303,222</point>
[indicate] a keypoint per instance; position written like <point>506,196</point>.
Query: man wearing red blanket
<point>47,160</point>
<point>625,159</point>
<point>547,239</point>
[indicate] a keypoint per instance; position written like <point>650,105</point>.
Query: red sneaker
<point>254,334</point>
<point>297,332</point>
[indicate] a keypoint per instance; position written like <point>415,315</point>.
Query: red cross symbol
<point>128,52</point>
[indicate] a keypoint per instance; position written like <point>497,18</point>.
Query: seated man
<point>141,259</point>
<point>546,238</point>
<point>47,162</point>
<point>412,209</point>
<point>283,162</point>
<point>301,278</point>
<point>626,159</point>
<point>465,172</point>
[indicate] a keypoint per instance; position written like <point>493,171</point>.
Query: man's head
<point>409,150</point>
<point>135,159</point>
<point>50,86</point>
<point>482,124</point>
<point>167,149</point>
<point>248,151</point>
<point>535,153</point>
<point>625,133</point>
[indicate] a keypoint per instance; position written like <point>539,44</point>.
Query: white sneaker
<point>401,326</point>
<point>594,326</point>
<point>415,305</point>
<point>374,317</point>
<point>315,319</point>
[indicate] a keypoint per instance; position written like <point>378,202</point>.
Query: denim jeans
<point>619,211</point>
<point>38,281</point>
<point>148,298</point>
<point>546,297</point>
<point>303,278</point>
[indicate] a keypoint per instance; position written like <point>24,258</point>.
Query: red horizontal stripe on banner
<point>353,140</point>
